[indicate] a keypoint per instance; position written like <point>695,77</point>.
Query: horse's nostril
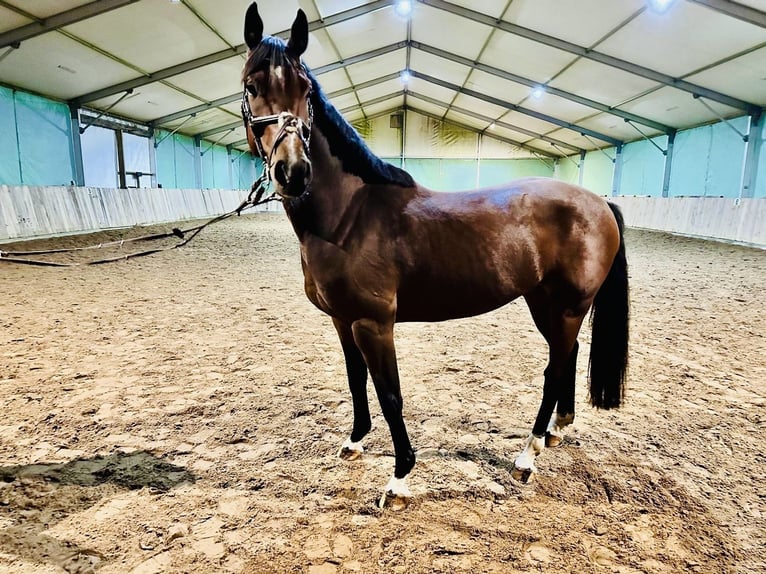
<point>280,173</point>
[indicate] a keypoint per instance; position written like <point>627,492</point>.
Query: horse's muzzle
<point>293,179</point>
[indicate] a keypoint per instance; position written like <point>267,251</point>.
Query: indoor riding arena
<point>188,223</point>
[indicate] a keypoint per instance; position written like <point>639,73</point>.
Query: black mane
<point>344,141</point>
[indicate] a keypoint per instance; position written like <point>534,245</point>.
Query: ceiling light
<point>659,5</point>
<point>405,76</point>
<point>538,92</point>
<point>492,126</point>
<point>403,7</point>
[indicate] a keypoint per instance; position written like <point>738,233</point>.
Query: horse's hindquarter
<point>468,253</point>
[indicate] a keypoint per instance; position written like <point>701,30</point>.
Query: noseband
<point>288,124</point>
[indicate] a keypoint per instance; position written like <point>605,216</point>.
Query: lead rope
<point>254,198</point>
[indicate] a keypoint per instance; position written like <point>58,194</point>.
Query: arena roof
<point>557,76</point>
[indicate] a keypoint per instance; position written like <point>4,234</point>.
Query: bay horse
<point>377,248</point>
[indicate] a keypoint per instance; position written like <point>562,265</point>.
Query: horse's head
<point>275,102</point>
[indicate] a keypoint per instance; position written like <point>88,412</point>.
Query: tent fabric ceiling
<point>558,77</point>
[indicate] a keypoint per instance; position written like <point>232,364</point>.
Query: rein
<point>254,198</point>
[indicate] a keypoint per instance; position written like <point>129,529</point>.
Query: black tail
<point>609,342</point>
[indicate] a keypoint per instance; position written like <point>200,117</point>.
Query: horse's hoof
<point>553,440</point>
<point>351,450</point>
<point>349,454</point>
<point>523,475</point>
<point>396,495</point>
<point>395,502</point>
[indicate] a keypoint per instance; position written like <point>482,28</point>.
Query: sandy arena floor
<point>182,413</point>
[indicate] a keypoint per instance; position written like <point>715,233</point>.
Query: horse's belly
<point>440,303</point>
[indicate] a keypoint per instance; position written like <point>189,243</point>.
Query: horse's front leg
<point>376,341</point>
<point>356,369</point>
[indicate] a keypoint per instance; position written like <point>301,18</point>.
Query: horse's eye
<point>251,89</point>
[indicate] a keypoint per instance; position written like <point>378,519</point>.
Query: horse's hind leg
<point>560,328</point>
<point>356,370</point>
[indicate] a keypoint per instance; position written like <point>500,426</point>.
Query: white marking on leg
<point>559,423</point>
<point>351,446</point>
<point>532,448</point>
<point>396,487</point>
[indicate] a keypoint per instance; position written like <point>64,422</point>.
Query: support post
<point>617,173</point>
<point>668,164</point>
<point>79,169</point>
<point>120,160</point>
<point>753,143</point>
<point>198,162</point>
<point>581,168</point>
<point>231,167</point>
<point>153,158</point>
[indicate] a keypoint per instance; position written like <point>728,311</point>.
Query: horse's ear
<point>253,26</point>
<point>299,35</point>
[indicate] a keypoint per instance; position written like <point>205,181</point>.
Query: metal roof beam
<point>221,55</point>
<point>372,102</point>
<point>234,97</point>
<point>500,123</point>
<point>219,129</point>
<point>549,89</point>
<point>60,20</point>
<point>516,108</point>
<point>736,10</point>
<point>583,52</point>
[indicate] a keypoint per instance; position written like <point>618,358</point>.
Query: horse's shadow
<point>34,497</point>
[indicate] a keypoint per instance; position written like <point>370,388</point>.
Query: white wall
<point>32,211</point>
<point>742,221</point>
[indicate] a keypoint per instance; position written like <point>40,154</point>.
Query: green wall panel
<point>643,167</point>
<point>166,163</point>
<point>184,158</point>
<point>10,171</point>
<point>499,171</point>
<point>598,171</point>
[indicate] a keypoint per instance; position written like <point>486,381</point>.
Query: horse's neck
<point>324,212</point>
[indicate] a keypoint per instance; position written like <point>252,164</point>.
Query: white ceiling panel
<point>684,38</point>
<point>152,35</point>
<point>494,8</point>
<point>333,81</point>
<point>147,102</point>
<point>448,32</point>
<point>744,78</point>
<point>378,108</point>
<point>448,71</point>
<point>675,108</point>
<point>431,90</point>
<point>321,50</point>
<point>423,106</point>
<point>236,135</point>
<point>329,7</point>
<point>377,67</point>
<point>382,88</point>
<point>575,21</point>
<point>367,32</point>
<point>347,100</point>
<point>497,87</point>
<point>10,20</point>
<point>56,66</point>
<point>227,18</point>
<point>203,121</point>
<point>213,81</point>
<point>577,140</point>
<point>524,57</point>
<point>601,83</point>
<point>528,122</point>
<point>469,121</point>
<point>557,107</point>
<point>234,108</point>
<point>615,127</point>
<point>509,133</point>
<point>46,8</point>
<point>479,106</point>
